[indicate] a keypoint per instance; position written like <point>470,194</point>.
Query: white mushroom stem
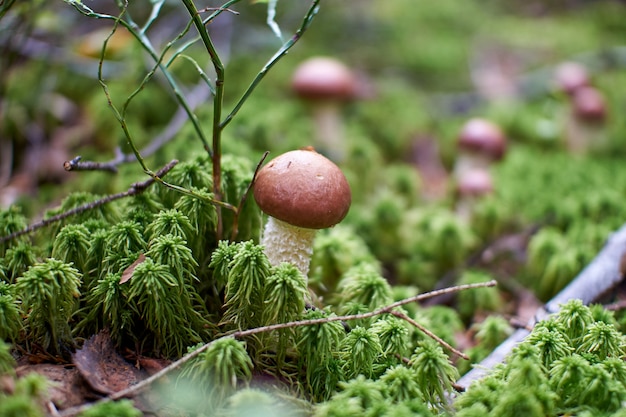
<point>583,137</point>
<point>470,161</point>
<point>329,129</point>
<point>286,243</point>
<point>473,186</point>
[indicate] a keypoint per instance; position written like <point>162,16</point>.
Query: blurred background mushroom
<point>584,129</point>
<point>325,84</point>
<point>570,76</point>
<point>586,109</point>
<point>480,143</point>
<point>473,185</point>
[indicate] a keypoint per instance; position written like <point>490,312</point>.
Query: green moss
<point>192,287</point>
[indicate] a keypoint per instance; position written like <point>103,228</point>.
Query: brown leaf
<point>103,368</point>
<point>152,365</point>
<point>128,272</point>
<point>67,388</point>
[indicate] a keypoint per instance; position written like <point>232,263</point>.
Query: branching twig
<point>197,96</point>
<point>135,389</point>
<point>140,35</point>
<point>313,9</point>
<point>136,188</point>
<point>218,125</point>
<point>77,165</point>
<point>430,334</point>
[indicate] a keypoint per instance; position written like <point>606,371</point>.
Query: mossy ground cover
<point>168,271</point>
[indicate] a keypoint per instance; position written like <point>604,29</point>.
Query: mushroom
<point>326,83</point>
<point>585,121</point>
<point>480,143</point>
<point>475,184</point>
<point>570,76</point>
<point>301,191</point>
<point>589,105</point>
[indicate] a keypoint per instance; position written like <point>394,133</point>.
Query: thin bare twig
<point>134,189</point>
<point>76,164</point>
<point>214,9</point>
<point>430,334</point>
<point>244,197</point>
<point>196,97</point>
<point>129,392</point>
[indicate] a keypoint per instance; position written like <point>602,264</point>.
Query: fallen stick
<point>602,274</point>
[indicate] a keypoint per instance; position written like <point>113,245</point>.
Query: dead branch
<point>136,188</point>
<point>602,274</point>
<point>197,96</point>
<point>430,334</point>
<point>76,165</point>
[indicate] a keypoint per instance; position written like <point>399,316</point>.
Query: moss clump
<point>569,363</point>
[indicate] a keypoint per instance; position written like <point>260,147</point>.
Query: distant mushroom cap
<point>303,188</point>
<point>321,78</point>
<point>589,104</point>
<point>482,136</point>
<point>570,76</point>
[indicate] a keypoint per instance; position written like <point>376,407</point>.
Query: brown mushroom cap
<point>484,137</point>
<point>304,189</point>
<point>322,78</point>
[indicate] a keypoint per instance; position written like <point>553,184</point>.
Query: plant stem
<point>138,33</point>
<point>244,197</point>
<point>313,9</point>
<point>218,100</point>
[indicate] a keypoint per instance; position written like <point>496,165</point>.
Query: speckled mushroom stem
<point>286,243</point>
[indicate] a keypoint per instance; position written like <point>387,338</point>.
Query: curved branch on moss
<point>129,392</point>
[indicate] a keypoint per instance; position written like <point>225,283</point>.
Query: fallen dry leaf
<point>67,388</point>
<point>128,272</point>
<point>103,368</point>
